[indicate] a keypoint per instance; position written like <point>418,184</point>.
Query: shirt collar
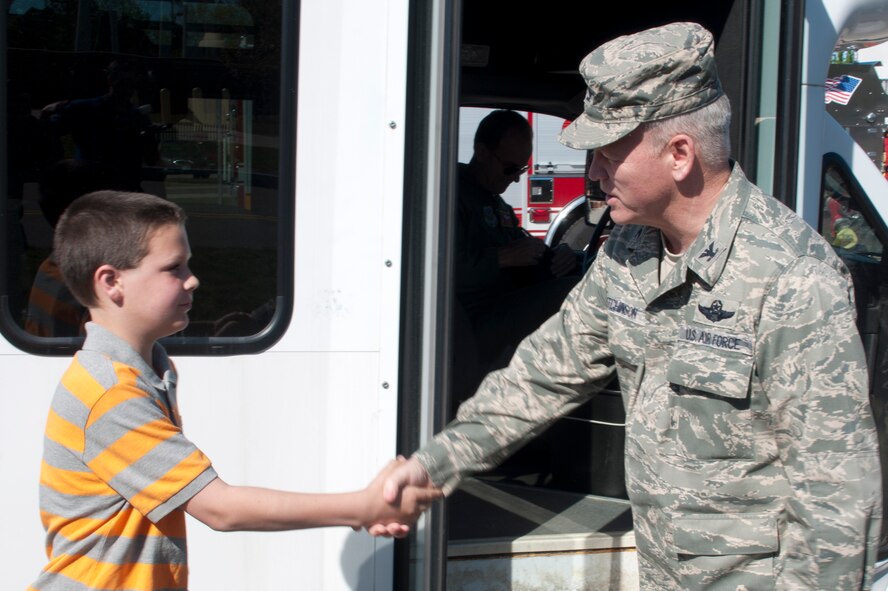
<point>101,340</point>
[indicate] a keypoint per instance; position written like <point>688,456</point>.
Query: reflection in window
<point>843,223</point>
<point>179,99</point>
<point>857,95</point>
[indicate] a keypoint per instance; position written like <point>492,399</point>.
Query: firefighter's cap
<point>634,79</point>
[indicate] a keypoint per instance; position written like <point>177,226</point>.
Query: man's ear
<point>481,152</point>
<point>107,283</point>
<point>682,151</point>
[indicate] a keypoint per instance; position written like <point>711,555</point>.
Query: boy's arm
<point>239,508</point>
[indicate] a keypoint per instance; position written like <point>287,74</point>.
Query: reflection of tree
<point>220,15</point>
<point>848,55</point>
<point>257,69</point>
<point>56,26</point>
<point>267,16</point>
<point>50,28</point>
<point>124,8</point>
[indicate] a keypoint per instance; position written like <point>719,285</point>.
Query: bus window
<point>178,99</point>
<point>855,96</point>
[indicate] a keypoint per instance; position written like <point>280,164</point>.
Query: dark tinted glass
<point>178,99</point>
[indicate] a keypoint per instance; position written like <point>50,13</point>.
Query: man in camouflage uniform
<point>751,452</point>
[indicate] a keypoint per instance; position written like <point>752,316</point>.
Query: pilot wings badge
<point>715,312</point>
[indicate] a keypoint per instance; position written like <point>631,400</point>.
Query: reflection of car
<point>184,166</point>
<point>185,150</point>
<point>187,167</point>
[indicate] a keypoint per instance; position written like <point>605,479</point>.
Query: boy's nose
<point>192,282</point>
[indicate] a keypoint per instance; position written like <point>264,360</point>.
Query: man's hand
<point>398,496</point>
<point>524,252</point>
<point>564,260</point>
<point>404,485</point>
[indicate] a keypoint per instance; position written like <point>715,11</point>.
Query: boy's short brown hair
<point>107,228</point>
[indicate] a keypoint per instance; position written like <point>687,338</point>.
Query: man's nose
<point>596,171</point>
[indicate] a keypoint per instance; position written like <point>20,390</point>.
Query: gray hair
<point>710,126</point>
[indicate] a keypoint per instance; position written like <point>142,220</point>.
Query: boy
<point>118,474</point>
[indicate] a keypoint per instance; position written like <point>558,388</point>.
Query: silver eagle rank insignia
<point>710,252</point>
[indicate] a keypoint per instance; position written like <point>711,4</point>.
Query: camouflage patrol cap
<point>634,79</point>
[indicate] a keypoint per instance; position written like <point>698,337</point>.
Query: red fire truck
<point>556,177</point>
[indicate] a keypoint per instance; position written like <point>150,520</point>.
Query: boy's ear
<point>107,284</point>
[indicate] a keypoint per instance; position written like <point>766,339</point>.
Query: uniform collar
<point>706,256</point>
<point>709,252</point>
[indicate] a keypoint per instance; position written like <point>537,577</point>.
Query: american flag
<point>840,89</point>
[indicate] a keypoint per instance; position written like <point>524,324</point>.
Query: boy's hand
<point>397,497</point>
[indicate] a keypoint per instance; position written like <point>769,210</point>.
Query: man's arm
<point>522,252</point>
<point>482,260</point>
<point>486,269</point>
<point>565,260</point>
<point>243,508</point>
<point>812,367</point>
<point>554,371</point>
<point>514,404</point>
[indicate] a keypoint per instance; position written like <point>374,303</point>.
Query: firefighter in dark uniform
<point>507,281</point>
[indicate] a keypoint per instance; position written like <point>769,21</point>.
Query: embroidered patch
<point>489,216</point>
<point>716,310</point>
<point>505,216</point>
<point>630,312</point>
<point>715,339</point>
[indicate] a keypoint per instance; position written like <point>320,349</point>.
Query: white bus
<point>313,145</point>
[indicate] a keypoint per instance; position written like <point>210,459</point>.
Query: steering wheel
<point>605,223</point>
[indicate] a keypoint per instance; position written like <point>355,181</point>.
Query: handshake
<point>396,498</point>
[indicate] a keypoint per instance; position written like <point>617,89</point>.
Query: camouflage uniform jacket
<point>751,452</point>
